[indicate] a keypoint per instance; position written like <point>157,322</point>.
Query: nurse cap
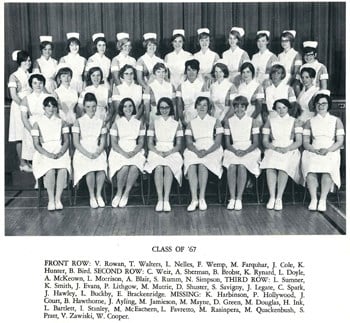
<point>292,32</point>
<point>324,91</point>
<point>45,38</point>
<point>121,36</point>
<point>277,63</point>
<point>98,35</point>
<point>205,94</point>
<point>90,65</point>
<point>239,30</point>
<point>14,54</point>
<point>179,32</point>
<point>312,44</point>
<point>72,35</point>
<point>62,65</point>
<point>149,36</point>
<point>263,32</point>
<point>203,30</point>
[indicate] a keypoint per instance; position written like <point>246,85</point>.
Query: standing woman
<point>290,58</point>
<point>164,144</point>
<point>51,157</point>
<point>75,62</point>
<point>235,56</point>
<point>282,136</point>
<point>89,138</point>
<point>323,138</point>
<point>203,152</point>
<point>188,91</point>
<point>222,92</point>
<point>263,59</point>
<point>306,96</point>
<point>123,58</point>
<point>243,153</point>
<point>46,65</point>
<point>31,110</point>
<point>99,58</point>
<point>19,88</point>
<point>145,64</point>
<point>126,157</point>
<point>206,57</point>
<point>177,58</point>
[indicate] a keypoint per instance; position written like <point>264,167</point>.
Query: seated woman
<point>243,153</point>
<point>89,139</point>
<point>323,138</point>
<point>126,157</point>
<point>163,154</point>
<point>203,152</point>
<point>51,157</point>
<point>282,136</point>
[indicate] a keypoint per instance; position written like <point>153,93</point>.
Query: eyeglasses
<point>309,54</point>
<point>323,104</point>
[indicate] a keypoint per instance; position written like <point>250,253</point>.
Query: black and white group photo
<point>128,119</point>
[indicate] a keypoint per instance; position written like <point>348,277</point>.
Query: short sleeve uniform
<point>102,95</point>
<point>233,60</point>
<point>304,99</point>
<point>133,91</point>
<point>289,60</point>
<point>176,64</point>
<point>273,93</point>
<point>206,62</point>
<point>146,63</point>
<point>120,60</point>
<point>48,68</point>
<point>262,62</point>
<point>251,92</point>
<point>218,93</point>
<point>104,63</point>
<point>68,99</point>
<point>321,71</point>
<point>160,90</point>
<point>77,64</point>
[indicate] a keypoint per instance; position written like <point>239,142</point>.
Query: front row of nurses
<point>322,137</point>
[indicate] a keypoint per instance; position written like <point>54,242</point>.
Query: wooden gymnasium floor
<point>23,217</point>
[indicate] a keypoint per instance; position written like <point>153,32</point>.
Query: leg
<point>202,179</point>
<point>90,181</point>
<point>241,181</point>
<point>49,182</point>
<point>100,179</point>
<point>326,185</point>
<point>121,180</point>
<point>158,180</point>
<point>271,177</point>
<point>60,185</point>
<point>168,180</point>
<point>282,180</point>
<point>19,153</point>
<point>193,180</point>
<point>312,183</point>
<point>231,180</point>
<point>132,177</point>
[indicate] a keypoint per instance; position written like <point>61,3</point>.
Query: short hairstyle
<point>307,50</point>
<point>122,42</point>
<point>285,102</point>
<point>240,99</point>
<point>236,34</point>
<point>193,63</point>
<point>247,65</point>
<point>202,98</point>
<point>50,100</point>
<point>22,56</point>
<point>261,35</point>
<point>44,44</point>
<point>149,41</point>
<point>309,70</point>
<point>290,37</point>
<point>277,67</point>
<point>91,71</point>
<point>97,40</point>
<point>121,106</point>
<point>203,35</point>
<point>89,97</point>
<point>173,37</point>
<point>37,76</point>
<point>320,96</point>
<point>223,67</point>
<point>158,66</point>
<point>126,67</point>
<point>63,71</point>
<point>169,102</point>
<point>71,41</point>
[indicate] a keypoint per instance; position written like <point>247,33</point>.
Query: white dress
<point>282,131</point>
<point>218,94</point>
<point>90,130</point>
<point>304,99</point>
<point>50,132</point>
<point>252,91</point>
<point>19,81</point>
<point>128,132</point>
<point>203,131</point>
<point>35,109</point>
<point>124,90</point>
<point>160,90</point>
<point>165,132</point>
<point>273,93</point>
<point>77,64</point>
<point>120,60</point>
<point>176,64</point>
<point>289,60</point>
<point>189,92</point>
<point>321,72</point>
<point>241,131</point>
<point>206,61</point>
<point>102,96</point>
<point>262,63</point>
<point>48,68</point>
<point>104,63</point>
<point>323,131</point>
<point>68,99</point>
<point>146,63</point>
<point>233,60</point>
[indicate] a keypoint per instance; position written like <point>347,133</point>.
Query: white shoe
<point>322,205</point>
<point>93,203</point>
<point>25,168</point>
<point>278,205</point>
<point>313,205</point>
<point>51,206</point>
<point>166,206</point>
<point>231,204</point>
<point>59,205</point>
<point>100,201</point>
<point>202,205</point>
<point>159,206</point>
<point>115,201</point>
<point>123,201</point>
<point>238,205</point>
<point>193,205</point>
<point>270,204</point>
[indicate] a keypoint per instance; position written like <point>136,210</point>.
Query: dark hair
<point>261,35</point>
<point>149,40</point>
<point>169,102</point>
<point>97,40</point>
<point>290,37</point>
<point>124,68</point>
<point>72,40</point>
<point>320,96</point>
<point>121,106</point>
<point>307,50</point>
<point>62,71</point>
<point>22,56</point>
<point>240,99</point>
<point>89,97</point>
<point>50,100</point>
<point>158,66</point>
<point>203,35</point>
<point>247,65</point>
<point>193,63</point>
<point>309,70</point>
<point>284,102</point>
<point>173,37</point>
<point>90,72</point>
<point>277,67</point>
<point>237,35</point>
<point>122,42</point>
<point>44,44</point>
<point>202,98</point>
<point>39,77</point>
<point>222,66</point>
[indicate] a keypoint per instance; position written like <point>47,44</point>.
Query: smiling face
<point>49,110</point>
<point>247,75</point>
<point>281,109</point>
<point>191,73</point>
<point>219,73</point>
<point>306,79</point>
<point>74,47</point>
<point>151,48</point>
<point>96,78</point>
<point>239,110</point>
<point>178,43</point>
<point>90,108</point>
<point>160,74</point>
<point>285,43</point>
<point>128,109</point>
<point>65,78</point>
<point>128,75</point>
<point>164,109</point>
<point>101,47</point>
<point>202,108</point>
<point>262,43</point>
<point>322,106</point>
<point>47,51</point>
<point>232,40</point>
<point>204,42</point>
<point>276,76</point>
<point>26,64</point>
<point>126,48</point>
<point>37,85</point>
<point>310,57</point>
